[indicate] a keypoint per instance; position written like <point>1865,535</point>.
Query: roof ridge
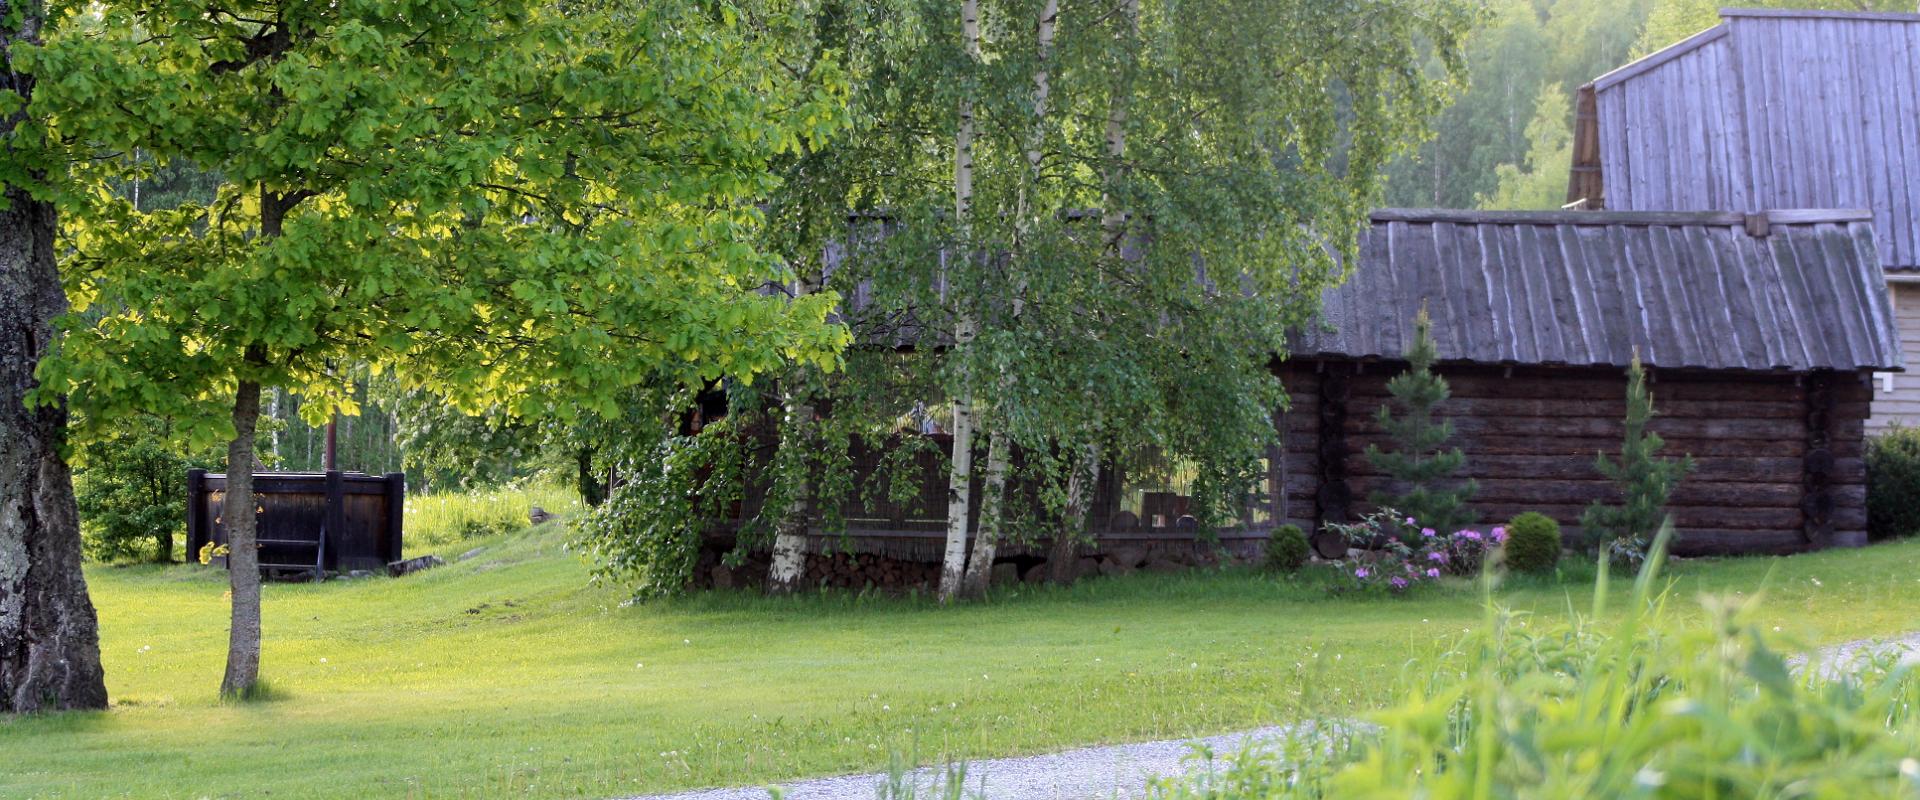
<point>1821,13</point>
<point>1785,216</point>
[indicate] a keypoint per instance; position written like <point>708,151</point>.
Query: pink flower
<point>1361,572</point>
<point>1433,573</point>
<point>1411,522</point>
<point>1499,534</point>
<point>1428,532</point>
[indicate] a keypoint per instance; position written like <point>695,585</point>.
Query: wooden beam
<point>1333,502</point>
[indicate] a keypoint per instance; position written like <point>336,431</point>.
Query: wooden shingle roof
<point>1779,291</point>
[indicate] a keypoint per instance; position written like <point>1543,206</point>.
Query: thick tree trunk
<point>993,498</point>
<point>960,475</point>
<point>243,558</point>
<point>49,637</point>
<point>163,547</point>
<point>1063,561</point>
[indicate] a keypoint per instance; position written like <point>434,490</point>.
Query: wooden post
<point>336,514</point>
<point>396,513</point>
<point>1334,499</point>
<point>198,531</point>
<point>1817,465</point>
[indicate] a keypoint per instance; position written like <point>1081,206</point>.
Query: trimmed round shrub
<point>1533,543</point>
<point>1287,548</point>
<point>1893,483</point>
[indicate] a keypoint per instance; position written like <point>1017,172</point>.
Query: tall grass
<point>1636,706</point>
<point>444,520</point>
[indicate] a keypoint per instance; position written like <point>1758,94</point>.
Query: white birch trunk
<point>789,540</point>
<point>993,503</point>
<point>1113,217</point>
<point>992,520</point>
<point>960,478</point>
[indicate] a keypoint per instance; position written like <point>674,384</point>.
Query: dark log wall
<point>1779,457</point>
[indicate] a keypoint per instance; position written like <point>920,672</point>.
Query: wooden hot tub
<point>330,521</point>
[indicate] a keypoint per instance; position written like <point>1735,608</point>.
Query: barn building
<point>1772,108</point>
<point>1760,333</point>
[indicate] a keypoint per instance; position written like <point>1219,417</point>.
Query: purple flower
<point>1499,534</point>
<point>1399,583</point>
<point>1474,535</point>
<point>1437,556</point>
<point>1411,522</point>
<point>1361,572</point>
<point>1427,532</point>
<point>1433,573</point>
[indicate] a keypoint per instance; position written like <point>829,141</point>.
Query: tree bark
<point>49,636</point>
<point>243,557</point>
<point>238,510</point>
<point>1062,561</point>
<point>960,475</point>
<point>993,498</point>
<point>789,564</point>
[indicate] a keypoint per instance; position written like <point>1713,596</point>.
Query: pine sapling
<point>1645,480</point>
<point>1418,463</point>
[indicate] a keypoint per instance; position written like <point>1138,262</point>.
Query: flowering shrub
<point>1399,553</point>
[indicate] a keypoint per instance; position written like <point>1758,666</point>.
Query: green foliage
<point>519,207</point>
<point>1541,182</point>
<point>1893,483</point>
<point>648,532</point>
<point>444,522</point>
<point>1533,543</point>
<point>1673,20</point>
<point>131,488</point>
<point>367,441</point>
<point>1418,463</point>
<point>1640,706</point>
<point>1525,55</point>
<point>1287,548</point>
<point>1238,117</point>
<point>1644,480</point>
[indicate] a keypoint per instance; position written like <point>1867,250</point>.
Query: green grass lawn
<point>510,674</point>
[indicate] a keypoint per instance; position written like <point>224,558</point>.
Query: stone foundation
<point>859,571</point>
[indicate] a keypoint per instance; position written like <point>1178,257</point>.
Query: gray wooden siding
<point>1896,396</point>
<point>1692,290</point>
<point>1773,110</point>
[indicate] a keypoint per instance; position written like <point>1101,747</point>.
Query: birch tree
<point>993,505</point>
<point>953,563</point>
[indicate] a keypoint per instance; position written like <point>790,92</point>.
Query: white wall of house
<point>1896,395</point>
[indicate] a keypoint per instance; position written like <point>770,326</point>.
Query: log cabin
<point>1772,108</point>
<point>1760,332</point>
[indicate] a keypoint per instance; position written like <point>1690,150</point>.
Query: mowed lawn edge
<point>513,673</point>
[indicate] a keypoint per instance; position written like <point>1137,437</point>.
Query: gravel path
<point>1090,773</point>
<point>1840,656</point>
<point>1122,771</point>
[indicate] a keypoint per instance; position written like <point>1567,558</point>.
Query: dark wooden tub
<point>331,521</point>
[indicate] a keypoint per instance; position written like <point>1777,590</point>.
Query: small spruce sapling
<point>1418,462</point>
<point>1645,480</point>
